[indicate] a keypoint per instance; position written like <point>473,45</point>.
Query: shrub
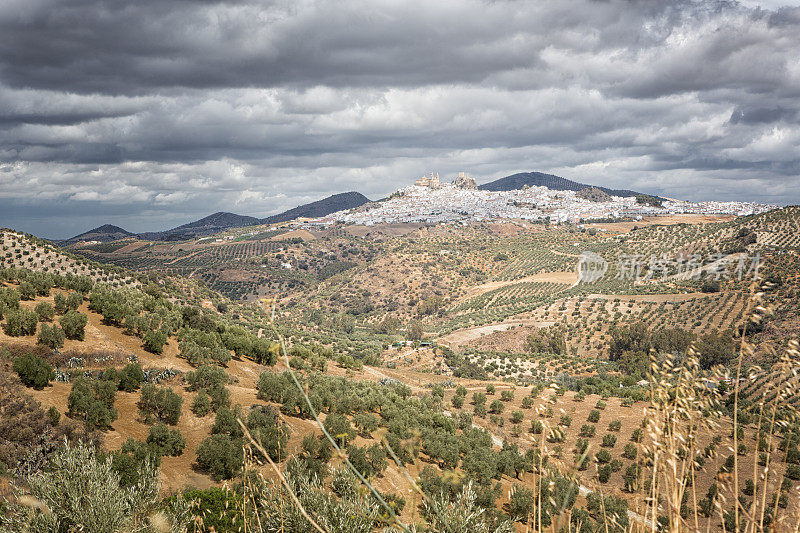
<point>603,456</point>
<point>588,430</point>
<point>165,440</point>
<point>220,455</point>
<point>73,324</point>
<point>629,452</point>
<point>516,417</point>
<point>594,416</point>
<point>160,403</point>
<point>507,395</point>
<point>616,425</point>
<point>457,401</point>
<point>83,493</point>
<point>44,311</point>
<point>20,322</point>
<point>520,502</point>
<point>33,371</point>
<point>490,389</point>
<point>609,440</point>
<point>340,429</point>
<point>54,416</point>
<point>130,377</point>
<point>496,407</point>
<point>92,401</point>
<point>154,341</point>
<point>51,336</point>
<point>201,405</point>
<point>60,303</point>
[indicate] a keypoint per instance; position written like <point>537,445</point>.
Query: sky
<point>150,114</point>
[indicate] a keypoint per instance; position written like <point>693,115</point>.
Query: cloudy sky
<point>152,113</point>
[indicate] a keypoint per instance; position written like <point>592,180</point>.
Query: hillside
<point>104,233</point>
<point>205,226</point>
<point>320,208</point>
<point>471,352</point>
<point>539,179</point>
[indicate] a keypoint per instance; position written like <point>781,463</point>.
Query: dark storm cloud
<point>117,109</point>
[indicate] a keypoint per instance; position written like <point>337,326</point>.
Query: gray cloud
<point>149,114</point>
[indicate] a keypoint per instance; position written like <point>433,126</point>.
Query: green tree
<point>51,336</point>
<point>73,324</point>
<point>166,440</point>
<point>221,456</point>
<point>45,311</point>
<point>33,371</point>
<point>160,403</point>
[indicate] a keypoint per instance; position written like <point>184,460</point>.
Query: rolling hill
<point>320,208</point>
<point>551,181</point>
<point>104,233</point>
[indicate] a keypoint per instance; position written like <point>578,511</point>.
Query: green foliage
<point>20,322</point>
<point>82,492</point>
<point>201,405</point>
<point>130,377</point>
<point>51,336</point>
<point>339,428</point>
<point>165,440</point>
<point>160,403</point>
<point>154,341</point>
<point>220,455</point>
<point>520,502</point>
<point>92,402</point>
<point>73,324</point>
<point>33,371</point>
<point>45,311</point>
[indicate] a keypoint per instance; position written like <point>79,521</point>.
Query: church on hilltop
<point>463,181</point>
<point>431,182</point>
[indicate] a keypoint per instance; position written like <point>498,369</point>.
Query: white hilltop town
<point>429,200</point>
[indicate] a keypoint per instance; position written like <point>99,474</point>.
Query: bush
<point>83,493</point>
<point>165,440</point>
<point>73,324</point>
<point>609,440</point>
<point>520,502</point>
<point>516,417</point>
<point>33,371</point>
<point>60,303</point>
<point>51,336</point>
<point>92,401</point>
<point>594,416</point>
<point>603,456</point>
<point>160,403</point>
<point>201,405</point>
<point>496,407</point>
<point>629,452</point>
<point>20,322</point>
<point>221,456</point>
<point>340,429</point>
<point>507,395</point>
<point>44,311</point>
<point>130,377</point>
<point>154,342</point>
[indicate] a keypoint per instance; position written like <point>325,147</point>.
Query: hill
<point>205,226</point>
<point>320,208</point>
<point>104,233</point>
<point>551,181</point>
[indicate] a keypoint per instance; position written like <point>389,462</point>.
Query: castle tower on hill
<point>463,181</point>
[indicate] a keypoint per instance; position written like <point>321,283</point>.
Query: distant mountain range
<point>556,183</point>
<point>337,202</point>
<point>222,220</point>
